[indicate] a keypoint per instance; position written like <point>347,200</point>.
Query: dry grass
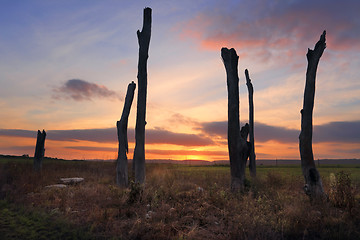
<point>182,203</point>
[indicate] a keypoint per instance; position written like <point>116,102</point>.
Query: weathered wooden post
<point>236,143</point>
<point>122,125</point>
<point>252,157</point>
<point>39,150</point>
<point>313,184</point>
<point>139,152</point>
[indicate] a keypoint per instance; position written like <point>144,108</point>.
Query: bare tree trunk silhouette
<point>139,152</point>
<point>313,184</point>
<point>39,150</point>
<point>236,143</point>
<point>252,157</point>
<point>122,125</point>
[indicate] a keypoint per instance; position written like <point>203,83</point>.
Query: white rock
<point>149,214</point>
<point>71,180</point>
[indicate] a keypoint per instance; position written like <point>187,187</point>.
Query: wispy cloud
<point>80,90</point>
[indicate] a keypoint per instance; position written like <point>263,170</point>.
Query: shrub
<point>341,192</point>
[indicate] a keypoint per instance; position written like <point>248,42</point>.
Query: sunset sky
<point>65,67</point>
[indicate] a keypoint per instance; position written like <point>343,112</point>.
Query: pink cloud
<point>276,25</point>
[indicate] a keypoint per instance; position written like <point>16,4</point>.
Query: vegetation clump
<point>341,191</point>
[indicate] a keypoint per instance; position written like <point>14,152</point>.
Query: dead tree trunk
<point>252,157</point>
<point>39,150</point>
<point>122,161</point>
<point>313,184</point>
<point>139,152</point>
<point>236,143</point>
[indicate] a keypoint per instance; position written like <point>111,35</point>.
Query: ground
<point>177,202</point>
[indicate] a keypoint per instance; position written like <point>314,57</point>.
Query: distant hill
<point>258,162</point>
<point>218,162</point>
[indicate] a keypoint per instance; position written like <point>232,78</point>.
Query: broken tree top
<point>319,47</point>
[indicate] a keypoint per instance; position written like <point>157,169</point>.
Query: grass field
<point>178,202</point>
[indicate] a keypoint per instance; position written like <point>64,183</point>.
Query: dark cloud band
<point>108,135</point>
<point>330,132</point>
<point>346,132</point>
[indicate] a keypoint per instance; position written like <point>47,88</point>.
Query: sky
<point>65,67</point>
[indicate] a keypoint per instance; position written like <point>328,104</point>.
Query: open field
<point>178,202</point>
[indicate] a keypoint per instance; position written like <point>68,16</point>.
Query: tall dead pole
<point>236,143</point>
<point>252,156</point>
<point>122,125</point>
<point>313,184</point>
<point>39,150</point>
<point>139,152</point>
